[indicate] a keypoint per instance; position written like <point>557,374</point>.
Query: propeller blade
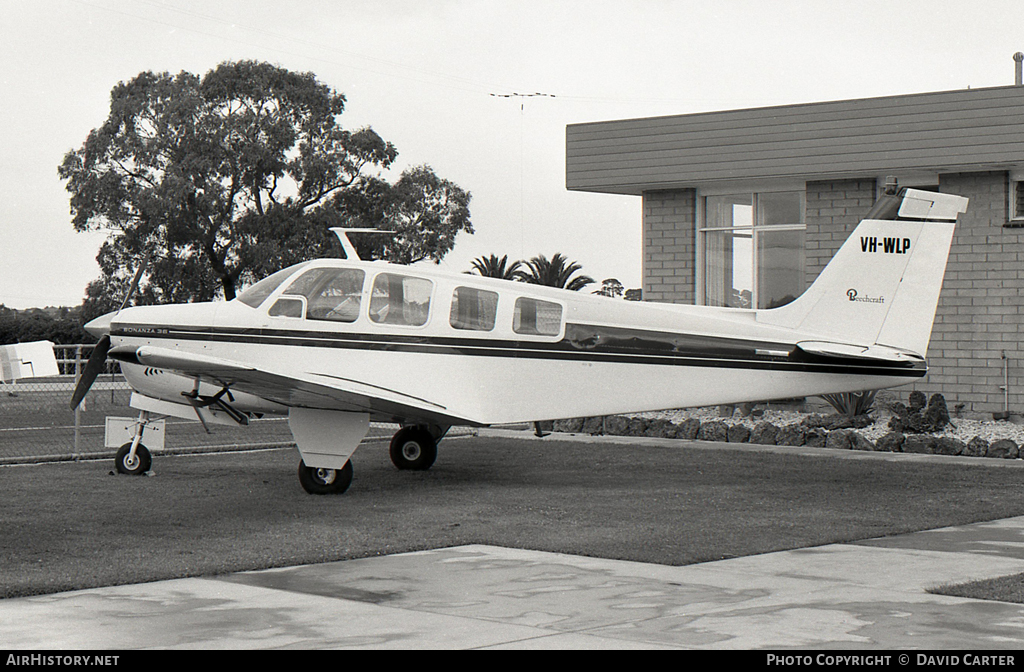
<point>93,368</point>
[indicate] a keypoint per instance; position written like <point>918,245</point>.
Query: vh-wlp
<point>336,343</point>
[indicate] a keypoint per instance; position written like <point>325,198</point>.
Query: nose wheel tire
<point>321,481</point>
<point>133,465</point>
<point>413,448</point>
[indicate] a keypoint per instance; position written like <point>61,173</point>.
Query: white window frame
<point>738,188</point>
<point>1016,184</point>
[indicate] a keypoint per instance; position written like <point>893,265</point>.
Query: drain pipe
<point>1005,414</point>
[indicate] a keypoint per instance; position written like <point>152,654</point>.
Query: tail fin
<point>882,286</point>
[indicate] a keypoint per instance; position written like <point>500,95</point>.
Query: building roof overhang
<point>970,130</point>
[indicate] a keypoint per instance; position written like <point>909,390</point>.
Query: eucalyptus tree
<point>219,180</point>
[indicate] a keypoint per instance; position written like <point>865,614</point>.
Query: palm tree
<point>492,267</point>
<point>554,272</point>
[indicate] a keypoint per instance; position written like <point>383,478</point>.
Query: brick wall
<point>834,208</point>
<point>979,314</point>
<point>669,231</point>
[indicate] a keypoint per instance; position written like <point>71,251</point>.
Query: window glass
<point>256,294</point>
<point>533,316</point>
<point>753,247</point>
<point>400,299</point>
<point>332,294</point>
<point>288,307</point>
<point>473,309</point>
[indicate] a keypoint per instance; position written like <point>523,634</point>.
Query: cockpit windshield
<point>256,294</point>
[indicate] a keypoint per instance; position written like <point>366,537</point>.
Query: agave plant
<point>851,404</point>
<point>555,272</point>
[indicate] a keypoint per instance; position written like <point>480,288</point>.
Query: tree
<point>555,272</point>
<point>221,179</point>
<point>610,287</point>
<point>422,212</point>
<point>492,267</point>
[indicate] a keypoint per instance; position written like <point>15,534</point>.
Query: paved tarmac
<point>864,595</point>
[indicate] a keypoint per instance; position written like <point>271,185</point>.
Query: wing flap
<point>295,390</point>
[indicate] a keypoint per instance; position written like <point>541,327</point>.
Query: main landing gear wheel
<point>133,465</point>
<point>413,448</point>
<point>321,481</point>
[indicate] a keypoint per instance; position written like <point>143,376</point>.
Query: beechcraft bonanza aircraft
<point>336,343</point>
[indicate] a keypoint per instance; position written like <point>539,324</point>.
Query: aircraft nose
<point>100,327</point>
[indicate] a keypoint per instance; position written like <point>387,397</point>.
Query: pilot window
<point>332,294</point>
<point>540,318</point>
<point>473,309</point>
<point>256,294</point>
<point>400,299</point>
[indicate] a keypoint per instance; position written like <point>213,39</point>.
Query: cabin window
<point>256,294</point>
<point>541,318</point>
<point>473,309</point>
<point>400,299</point>
<point>288,306</point>
<point>753,249</point>
<point>332,294</point>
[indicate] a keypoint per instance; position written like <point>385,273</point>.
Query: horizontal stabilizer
<point>871,353</point>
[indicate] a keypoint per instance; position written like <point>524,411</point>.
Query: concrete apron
<point>869,595</point>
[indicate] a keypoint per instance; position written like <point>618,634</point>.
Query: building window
<point>1016,214</point>
<point>753,249</point>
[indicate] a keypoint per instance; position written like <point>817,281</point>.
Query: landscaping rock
<point>840,439</point>
<point>976,447</point>
<point>688,429</point>
<point>617,425</point>
<point>660,428</point>
<point>890,443</point>
<point>791,435</point>
<point>945,445</point>
<point>593,426</point>
<point>816,437</point>
<point>569,425</point>
<point>858,442</point>
<point>919,443</point>
<point>764,433</point>
<point>637,426</point>
<point>1003,448</point>
<point>738,434</point>
<point>920,419</point>
<point>716,430</point>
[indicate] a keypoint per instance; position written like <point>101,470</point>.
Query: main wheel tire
<point>413,448</point>
<point>320,481</point>
<point>133,466</point>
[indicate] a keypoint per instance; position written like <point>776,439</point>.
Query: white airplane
<point>336,343</point>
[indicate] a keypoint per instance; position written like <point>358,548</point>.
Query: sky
<point>434,78</point>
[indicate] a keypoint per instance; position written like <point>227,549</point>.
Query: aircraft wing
<point>305,390</point>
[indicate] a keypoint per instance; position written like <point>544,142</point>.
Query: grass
<point>74,525</point>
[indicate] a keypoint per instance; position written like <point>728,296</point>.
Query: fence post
<point>78,409</point>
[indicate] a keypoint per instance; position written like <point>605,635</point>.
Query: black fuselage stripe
<point>728,356</point>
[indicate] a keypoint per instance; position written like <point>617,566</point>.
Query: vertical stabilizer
<point>882,286</point>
